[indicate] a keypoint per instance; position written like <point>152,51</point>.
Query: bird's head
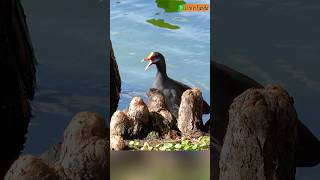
<point>154,58</point>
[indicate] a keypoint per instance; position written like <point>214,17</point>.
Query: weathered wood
<point>190,111</point>
<point>159,123</point>
<point>156,100</point>
<point>261,136</point>
<point>138,112</point>
<point>117,143</point>
<point>228,84</point>
<point>81,155</point>
<point>121,125</point>
<point>115,82</point>
<point>18,80</point>
<point>157,104</point>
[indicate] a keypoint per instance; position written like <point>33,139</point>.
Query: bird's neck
<point>161,71</point>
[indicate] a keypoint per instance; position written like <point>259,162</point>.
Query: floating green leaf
<point>178,146</point>
<point>171,5</point>
<point>161,23</point>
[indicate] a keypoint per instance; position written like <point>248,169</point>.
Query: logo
<point>181,6</point>
<point>194,7</point>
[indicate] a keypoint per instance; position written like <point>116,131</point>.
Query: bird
<point>171,89</point>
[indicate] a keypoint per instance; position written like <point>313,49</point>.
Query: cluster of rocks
<point>83,154</point>
<point>140,120</point>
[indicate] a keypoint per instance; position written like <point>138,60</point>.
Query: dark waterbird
<point>171,89</point>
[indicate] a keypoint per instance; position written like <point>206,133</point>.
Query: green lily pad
<point>178,146</point>
<point>161,23</point>
<point>171,5</point>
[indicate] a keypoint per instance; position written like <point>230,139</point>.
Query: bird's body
<point>171,89</point>
<point>172,94</point>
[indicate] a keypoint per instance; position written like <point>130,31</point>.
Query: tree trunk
<point>190,111</point>
<point>115,82</point>
<point>17,76</point>
<point>83,154</point>
<point>260,142</point>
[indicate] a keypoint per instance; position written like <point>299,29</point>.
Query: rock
<point>117,143</point>
<point>190,111</point>
<point>121,125</point>
<point>81,155</point>
<point>261,135</point>
<point>138,112</point>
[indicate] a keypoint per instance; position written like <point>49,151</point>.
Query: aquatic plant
<point>171,5</point>
<point>161,23</point>
<point>184,144</point>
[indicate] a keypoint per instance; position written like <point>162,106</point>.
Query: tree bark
<point>115,82</point>
<point>260,142</point>
<point>83,154</point>
<point>18,77</point>
<point>190,111</point>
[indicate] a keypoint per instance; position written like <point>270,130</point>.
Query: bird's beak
<point>150,59</point>
<point>148,66</point>
<point>145,59</point>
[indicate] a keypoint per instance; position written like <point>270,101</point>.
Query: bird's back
<point>173,91</point>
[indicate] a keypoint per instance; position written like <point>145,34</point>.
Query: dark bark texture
<point>260,142</point>
<point>229,84</point>
<point>115,82</point>
<point>82,154</point>
<point>190,111</point>
<point>18,77</point>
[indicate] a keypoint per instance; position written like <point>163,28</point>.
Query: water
<point>276,42</point>
<point>70,41</point>
<point>187,49</point>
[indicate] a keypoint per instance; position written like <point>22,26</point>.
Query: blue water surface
<point>70,42</point>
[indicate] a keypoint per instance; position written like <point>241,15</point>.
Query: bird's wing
<point>183,86</point>
<point>206,106</point>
